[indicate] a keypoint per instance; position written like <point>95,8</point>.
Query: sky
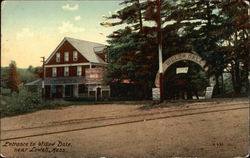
<point>32,29</point>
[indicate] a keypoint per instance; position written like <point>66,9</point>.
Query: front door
<point>98,94</point>
<point>68,90</point>
<point>59,90</point>
<point>47,91</point>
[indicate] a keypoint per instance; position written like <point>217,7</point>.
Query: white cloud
<point>68,27</point>
<point>24,33</point>
<point>70,8</point>
<point>77,18</point>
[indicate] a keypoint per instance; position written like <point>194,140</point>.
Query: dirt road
<point>215,128</point>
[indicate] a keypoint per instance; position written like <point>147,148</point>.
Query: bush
<point>22,102</point>
<point>27,101</point>
<point>5,91</point>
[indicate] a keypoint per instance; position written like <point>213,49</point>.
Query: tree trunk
<point>140,15</point>
<point>222,84</point>
<point>236,77</point>
<point>217,86</point>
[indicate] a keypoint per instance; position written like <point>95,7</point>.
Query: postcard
<point>124,79</point>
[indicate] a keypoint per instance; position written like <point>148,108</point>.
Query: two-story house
<point>75,69</point>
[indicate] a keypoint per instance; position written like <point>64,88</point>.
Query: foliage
<point>5,91</point>
<point>193,82</point>
<point>227,79</point>
<point>131,48</point>
<point>26,75</point>
<point>21,102</point>
<point>237,41</point>
<point>22,75</point>
<point>216,30</point>
<point>13,77</point>
<point>37,71</point>
<point>26,101</point>
<point>4,76</point>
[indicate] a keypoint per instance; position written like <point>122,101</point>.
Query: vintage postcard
<point>124,79</point>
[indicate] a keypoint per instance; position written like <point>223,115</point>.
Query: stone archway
<point>185,56</point>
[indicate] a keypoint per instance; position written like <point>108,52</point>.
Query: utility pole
<point>159,41</point>
<point>43,78</point>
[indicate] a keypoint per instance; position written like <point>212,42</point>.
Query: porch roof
<point>58,81</point>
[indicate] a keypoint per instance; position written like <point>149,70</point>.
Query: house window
<point>57,57</point>
<point>66,71</point>
<point>82,89</point>
<point>66,56</point>
<point>54,72</point>
<point>79,71</point>
<point>75,56</point>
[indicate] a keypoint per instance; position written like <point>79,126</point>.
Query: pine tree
<point>13,78</point>
<point>131,48</point>
<point>236,25</point>
<point>216,30</point>
<point>206,27</point>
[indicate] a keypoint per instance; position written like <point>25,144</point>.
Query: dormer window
<point>66,56</point>
<point>54,72</point>
<point>57,57</point>
<point>75,56</point>
<point>66,71</point>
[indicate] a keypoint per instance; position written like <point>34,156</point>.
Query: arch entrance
<point>181,57</point>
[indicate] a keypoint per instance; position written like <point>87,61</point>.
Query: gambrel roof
<point>86,48</point>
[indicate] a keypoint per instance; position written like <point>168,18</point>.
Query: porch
<point>72,87</point>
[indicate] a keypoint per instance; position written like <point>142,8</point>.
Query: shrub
<point>27,101</point>
<point>5,91</point>
<point>22,102</point>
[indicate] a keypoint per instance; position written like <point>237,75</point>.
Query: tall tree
<point>131,48</point>
<point>198,26</point>
<point>13,78</point>
<point>206,27</point>
<point>236,25</point>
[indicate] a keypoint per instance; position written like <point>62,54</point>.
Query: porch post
<point>88,90</point>
<point>76,90</point>
<point>101,92</point>
<point>96,93</point>
<point>63,91</point>
<point>109,92</point>
<point>50,91</point>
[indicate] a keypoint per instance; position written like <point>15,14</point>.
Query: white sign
<point>93,76</point>
<point>156,93</point>
<point>209,92</point>
<point>181,70</point>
